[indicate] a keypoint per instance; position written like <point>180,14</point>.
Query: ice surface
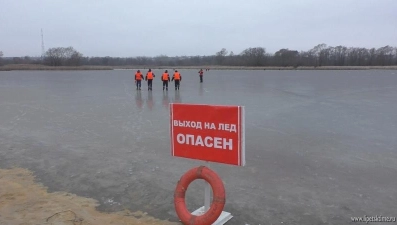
<point>321,145</point>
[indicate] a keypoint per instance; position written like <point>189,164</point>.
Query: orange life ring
<point>218,200</point>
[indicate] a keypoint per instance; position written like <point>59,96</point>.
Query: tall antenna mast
<point>42,44</point>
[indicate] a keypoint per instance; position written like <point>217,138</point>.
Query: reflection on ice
<point>177,97</point>
<point>166,99</point>
<point>138,99</point>
<point>150,101</point>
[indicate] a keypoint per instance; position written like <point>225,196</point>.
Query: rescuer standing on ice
<point>149,77</point>
<point>138,79</point>
<point>201,72</point>
<point>165,78</point>
<point>178,78</point>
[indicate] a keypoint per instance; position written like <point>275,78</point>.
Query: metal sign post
<point>224,217</point>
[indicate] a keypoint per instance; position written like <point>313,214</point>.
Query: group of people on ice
<point>165,77</point>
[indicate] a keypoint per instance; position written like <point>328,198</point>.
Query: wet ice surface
<point>321,145</point>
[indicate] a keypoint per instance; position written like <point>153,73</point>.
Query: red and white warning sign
<point>208,132</point>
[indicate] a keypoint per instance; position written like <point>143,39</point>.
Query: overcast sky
<point>192,27</point>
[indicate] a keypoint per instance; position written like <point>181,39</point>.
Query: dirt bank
<point>24,202</point>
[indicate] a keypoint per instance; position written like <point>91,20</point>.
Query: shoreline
<point>24,200</point>
<point>19,67</point>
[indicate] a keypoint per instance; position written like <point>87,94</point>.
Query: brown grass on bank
<point>24,202</point>
<point>43,67</point>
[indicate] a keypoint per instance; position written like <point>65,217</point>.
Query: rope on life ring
<point>218,201</point>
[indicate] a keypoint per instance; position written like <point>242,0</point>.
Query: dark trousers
<point>201,78</point>
<point>149,84</point>
<point>176,84</point>
<point>165,84</point>
<point>138,84</point>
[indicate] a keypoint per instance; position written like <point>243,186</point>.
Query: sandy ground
<point>24,202</point>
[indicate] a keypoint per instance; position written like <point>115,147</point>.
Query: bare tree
<point>395,56</point>
<point>1,55</point>
<point>340,55</point>
<point>385,55</point>
<point>319,54</point>
<point>61,56</point>
<point>74,59</point>
<point>286,57</point>
<point>254,56</point>
<point>220,56</point>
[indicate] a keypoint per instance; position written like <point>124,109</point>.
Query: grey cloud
<point>154,27</point>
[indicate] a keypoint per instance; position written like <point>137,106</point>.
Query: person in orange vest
<point>149,77</point>
<point>138,79</point>
<point>165,78</point>
<point>178,78</point>
<point>201,75</point>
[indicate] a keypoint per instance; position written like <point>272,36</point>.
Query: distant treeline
<point>320,55</point>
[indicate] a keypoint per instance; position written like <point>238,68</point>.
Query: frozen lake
<point>321,146</point>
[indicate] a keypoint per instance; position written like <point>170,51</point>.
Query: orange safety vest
<point>177,76</point>
<point>138,76</point>
<point>165,76</point>
<point>150,75</point>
